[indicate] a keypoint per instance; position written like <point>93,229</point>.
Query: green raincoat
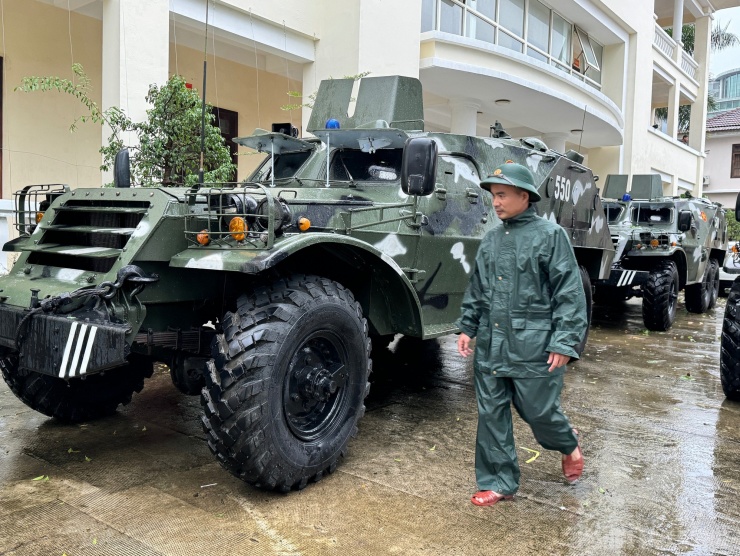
<point>525,300</point>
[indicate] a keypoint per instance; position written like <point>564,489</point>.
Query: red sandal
<point>489,497</point>
<point>573,468</point>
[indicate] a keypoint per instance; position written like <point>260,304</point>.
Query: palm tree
<point>720,40</point>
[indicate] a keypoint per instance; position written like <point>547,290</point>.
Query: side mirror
<point>122,169</point>
<point>419,166</point>
<point>684,220</point>
<point>737,208</point>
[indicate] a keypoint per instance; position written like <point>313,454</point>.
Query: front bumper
<point>619,277</point>
<point>61,345</point>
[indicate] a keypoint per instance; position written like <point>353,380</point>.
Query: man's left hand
<point>557,360</point>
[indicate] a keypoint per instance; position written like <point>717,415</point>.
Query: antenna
<point>583,124</point>
<point>203,108</point>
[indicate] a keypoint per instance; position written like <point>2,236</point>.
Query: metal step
<point>74,250</point>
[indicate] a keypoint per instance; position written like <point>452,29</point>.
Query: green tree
<point>167,151</point>
<point>720,39</point>
<point>733,226</point>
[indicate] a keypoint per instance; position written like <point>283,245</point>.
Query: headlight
<point>280,212</point>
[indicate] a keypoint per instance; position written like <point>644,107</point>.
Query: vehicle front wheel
<point>699,296</point>
<point>714,284</point>
<point>76,400</point>
<point>287,383</point>
<point>729,362</point>
<point>659,295</point>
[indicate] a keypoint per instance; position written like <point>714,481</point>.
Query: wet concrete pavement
<point>662,450</point>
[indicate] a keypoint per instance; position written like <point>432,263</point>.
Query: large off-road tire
<point>188,374</point>
<point>288,381</point>
<point>659,295</point>
<point>714,283</point>
<point>729,360</point>
<point>588,293</point>
<point>76,400</point>
<point>699,295</point>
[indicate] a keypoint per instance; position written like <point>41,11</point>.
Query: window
<point>651,215</point>
<point>428,15</point>
<point>586,49</point>
<point>384,165</point>
<point>286,166</point>
<point>613,212</point>
<point>450,18</point>
<point>485,7</point>
<point>561,33</point>
<point>511,16</point>
<point>735,171</point>
<point>476,28</point>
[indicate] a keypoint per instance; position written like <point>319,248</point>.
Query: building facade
<point>579,74</point>
<point>722,168</point>
<point>725,88</point>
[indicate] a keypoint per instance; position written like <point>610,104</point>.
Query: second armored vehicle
<point>663,245</point>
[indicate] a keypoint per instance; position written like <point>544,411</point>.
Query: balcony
<point>674,59</point>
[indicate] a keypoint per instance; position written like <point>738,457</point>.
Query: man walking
<point>526,306</point>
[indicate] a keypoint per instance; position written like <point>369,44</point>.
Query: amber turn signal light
<point>304,223</point>
<point>39,216</point>
<point>203,238</point>
<point>654,243</point>
<point>237,227</point>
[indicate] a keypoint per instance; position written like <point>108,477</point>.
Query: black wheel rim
<point>314,390</point>
<point>672,298</point>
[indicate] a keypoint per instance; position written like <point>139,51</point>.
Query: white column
<point>136,41</point>
<point>702,48</point>
<point>556,141</point>
<point>674,98</point>
<point>464,119</point>
<point>677,28</point>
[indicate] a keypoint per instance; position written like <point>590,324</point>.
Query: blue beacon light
<point>626,197</point>
<point>332,123</point>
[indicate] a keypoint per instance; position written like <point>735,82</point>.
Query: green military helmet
<point>515,175</point>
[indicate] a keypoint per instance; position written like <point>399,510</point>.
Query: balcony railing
<point>664,42</point>
<point>689,65</point>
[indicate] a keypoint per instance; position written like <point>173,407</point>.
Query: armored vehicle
<point>729,364</point>
<point>663,245</point>
<point>266,294</point>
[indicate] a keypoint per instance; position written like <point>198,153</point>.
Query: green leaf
<point>71,451</point>
<point>433,448</point>
<point>601,490</point>
<point>87,459</point>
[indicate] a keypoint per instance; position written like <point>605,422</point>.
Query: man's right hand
<point>463,345</point>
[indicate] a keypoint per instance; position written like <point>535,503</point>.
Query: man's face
<point>509,201</point>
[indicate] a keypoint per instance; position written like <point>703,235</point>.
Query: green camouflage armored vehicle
<point>729,363</point>
<point>663,245</point>
<point>270,291</point>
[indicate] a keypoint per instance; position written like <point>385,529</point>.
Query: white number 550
<point>562,188</point>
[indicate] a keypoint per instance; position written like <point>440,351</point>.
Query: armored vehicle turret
<point>368,229</point>
<point>663,245</point>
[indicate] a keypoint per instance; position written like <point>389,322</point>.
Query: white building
<point>722,168</point>
<point>582,74</point>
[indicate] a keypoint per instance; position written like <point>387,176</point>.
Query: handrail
<point>664,42</point>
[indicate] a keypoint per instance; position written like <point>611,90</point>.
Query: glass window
<point>384,165</point>
<point>613,211</point>
<point>476,28</point>
<point>588,51</point>
<point>511,16</point>
<point>592,72</point>
<point>428,15</point>
<point>735,171</point>
<point>507,41</point>
<point>450,17</point>
<point>286,166</point>
<point>538,25</point>
<point>485,7</point>
<point>561,33</point>
<point>536,55</point>
<point>651,215</point>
